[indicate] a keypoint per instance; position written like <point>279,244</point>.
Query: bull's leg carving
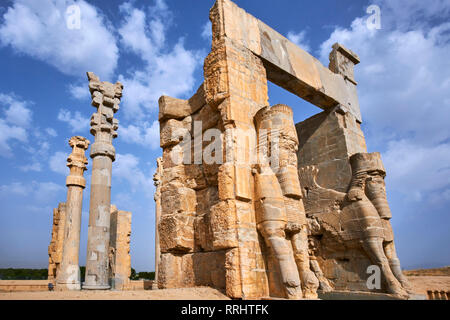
<point>374,248</point>
<point>394,262</point>
<point>310,283</point>
<point>271,222</point>
<point>324,285</point>
<point>275,238</point>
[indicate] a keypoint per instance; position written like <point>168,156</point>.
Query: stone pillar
<point>56,244</point>
<point>157,181</point>
<point>69,275</point>
<point>119,248</point>
<point>106,98</point>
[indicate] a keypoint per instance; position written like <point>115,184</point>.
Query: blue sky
<point>157,47</point>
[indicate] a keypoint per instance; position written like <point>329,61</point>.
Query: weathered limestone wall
<point>236,84</point>
<point>241,226</point>
<point>327,140</point>
<point>187,194</point>
<point>119,246</point>
<point>288,65</point>
<point>55,248</point>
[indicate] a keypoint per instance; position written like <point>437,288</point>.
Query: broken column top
<point>77,161</point>
<point>79,142</point>
<point>106,98</point>
<point>77,158</point>
<point>105,88</point>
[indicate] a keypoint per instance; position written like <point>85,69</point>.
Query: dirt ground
<point>199,293</point>
<point>444,271</point>
<point>420,285</point>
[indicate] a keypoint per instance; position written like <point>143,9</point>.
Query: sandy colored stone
<point>172,131</point>
<point>105,98</point>
<point>302,74</point>
<point>22,286</point>
<point>55,248</point>
<point>198,293</point>
<point>157,197</point>
<point>176,232</point>
<point>356,222</point>
<point>119,248</point>
<point>270,227</point>
<point>69,275</point>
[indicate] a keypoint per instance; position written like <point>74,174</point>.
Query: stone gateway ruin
<point>252,204</point>
<point>247,201</point>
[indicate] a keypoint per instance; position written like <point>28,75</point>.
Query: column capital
<point>77,161</point>
<point>106,98</point>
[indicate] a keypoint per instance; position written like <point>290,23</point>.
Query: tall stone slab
<point>55,248</point>
<point>106,98</point>
<point>119,248</point>
<point>69,275</point>
<point>157,181</point>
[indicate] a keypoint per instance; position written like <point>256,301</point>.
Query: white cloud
<point>33,166</point>
<point>403,86</point>
<point>299,39</point>
<point>207,31</point>
<point>414,169</point>
<point>39,29</point>
<point>80,92</point>
<point>17,188</point>
<point>14,123</point>
<point>58,163</point>
<point>407,14</point>
<point>17,112</point>
<point>75,121</point>
<point>166,70</point>
<point>7,133</point>
<point>126,168</point>
<point>146,135</point>
<point>51,132</point>
<point>33,192</point>
<point>46,190</point>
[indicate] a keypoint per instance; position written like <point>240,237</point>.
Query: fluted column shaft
<point>69,275</point>
<point>106,98</point>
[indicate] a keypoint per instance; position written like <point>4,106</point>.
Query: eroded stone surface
<point>353,229</point>
<point>69,275</point>
<point>119,248</point>
<point>256,222</point>
<point>106,98</point>
<point>55,248</point>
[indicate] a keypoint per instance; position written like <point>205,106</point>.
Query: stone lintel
<point>287,65</point>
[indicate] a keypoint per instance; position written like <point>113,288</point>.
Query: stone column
<point>69,275</point>
<point>157,181</point>
<point>106,98</point>
<point>119,248</point>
